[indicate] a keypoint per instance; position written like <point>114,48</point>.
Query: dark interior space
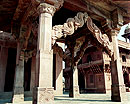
<point>54,71</point>
<point>27,74</point>
<point>10,70</point>
<point>62,15</point>
<point>81,80</point>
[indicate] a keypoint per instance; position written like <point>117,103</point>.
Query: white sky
<point>122,32</point>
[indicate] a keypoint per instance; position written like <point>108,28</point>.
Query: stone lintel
<point>43,95</point>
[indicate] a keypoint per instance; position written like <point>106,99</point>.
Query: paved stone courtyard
<point>84,99</point>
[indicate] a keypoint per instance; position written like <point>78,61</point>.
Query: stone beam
<point>20,10</point>
<point>83,6</point>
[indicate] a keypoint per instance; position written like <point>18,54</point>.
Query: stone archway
<point>71,25</point>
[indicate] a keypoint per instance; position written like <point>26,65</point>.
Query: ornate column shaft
<point>118,87</point>
<point>3,63</point>
<point>43,93</point>
<point>18,92</point>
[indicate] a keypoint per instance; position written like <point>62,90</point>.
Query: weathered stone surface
<point>43,95</point>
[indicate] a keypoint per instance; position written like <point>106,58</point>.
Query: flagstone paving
<point>83,99</point>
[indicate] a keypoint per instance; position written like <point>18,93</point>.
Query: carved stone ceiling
<point>110,5</point>
<point>8,9</point>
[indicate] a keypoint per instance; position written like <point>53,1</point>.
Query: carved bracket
<point>78,21</point>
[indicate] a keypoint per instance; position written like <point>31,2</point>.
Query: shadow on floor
<point>86,100</point>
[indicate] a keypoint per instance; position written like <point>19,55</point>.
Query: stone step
<point>8,95</point>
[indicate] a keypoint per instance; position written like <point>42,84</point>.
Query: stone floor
<point>84,99</point>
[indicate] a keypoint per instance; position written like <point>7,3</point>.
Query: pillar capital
<point>46,8</point>
<point>114,32</point>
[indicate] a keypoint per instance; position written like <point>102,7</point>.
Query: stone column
<point>75,82</point>
<point>74,88</point>
<point>3,64</point>
<point>59,76</point>
<point>33,71</point>
<point>44,92</point>
<point>18,92</point>
<point>118,87</point>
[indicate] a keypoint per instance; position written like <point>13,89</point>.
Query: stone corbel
<point>117,19</point>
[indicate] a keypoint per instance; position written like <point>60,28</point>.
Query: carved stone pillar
<point>18,92</point>
<point>3,63</point>
<point>118,87</point>
<point>44,92</point>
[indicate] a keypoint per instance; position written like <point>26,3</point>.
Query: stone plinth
<point>74,88</point>
<point>18,95</point>
<point>43,95</point>
<point>118,93</point>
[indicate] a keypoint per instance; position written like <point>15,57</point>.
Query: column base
<point>75,93</point>
<point>118,93</point>
<point>43,95</point>
<point>18,95</point>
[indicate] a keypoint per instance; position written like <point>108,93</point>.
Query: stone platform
<point>84,99</point>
